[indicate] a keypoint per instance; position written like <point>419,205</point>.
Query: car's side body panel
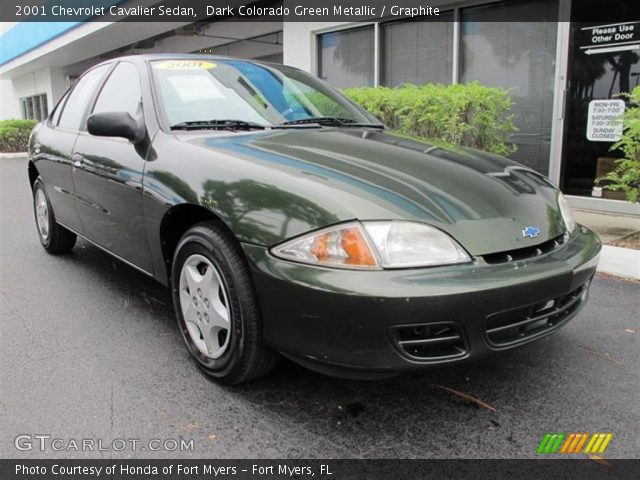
<point>51,154</point>
<point>96,182</point>
<point>108,184</point>
<point>108,173</point>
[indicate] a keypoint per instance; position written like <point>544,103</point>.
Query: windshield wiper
<point>217,125</point>
<point>332,122</point>
<point>232,124</point>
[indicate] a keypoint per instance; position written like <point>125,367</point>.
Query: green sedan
<point>286,220</point>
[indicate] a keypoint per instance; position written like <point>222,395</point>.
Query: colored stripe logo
<point>574,443</point>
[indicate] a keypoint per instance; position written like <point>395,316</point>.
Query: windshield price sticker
<point>605,120</point>
<point>184,65</point>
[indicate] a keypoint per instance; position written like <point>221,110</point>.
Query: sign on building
<point>604,123</point>
<point>611,38</point>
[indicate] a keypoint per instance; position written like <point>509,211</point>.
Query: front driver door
<point>108,176</point>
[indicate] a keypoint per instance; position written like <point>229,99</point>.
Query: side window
<point>121,92</point>
<point>79,98</point>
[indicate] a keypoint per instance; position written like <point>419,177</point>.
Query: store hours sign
<point>604,123</point>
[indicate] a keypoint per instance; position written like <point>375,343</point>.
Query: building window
<point>346,57</point>
<point>34,107</point>
<point>490,48</point>
<point>520,56</point>
<point>418,51</point>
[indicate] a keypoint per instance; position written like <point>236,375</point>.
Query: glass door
<point>604,61</point>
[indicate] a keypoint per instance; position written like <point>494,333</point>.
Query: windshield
<point>225,89</point>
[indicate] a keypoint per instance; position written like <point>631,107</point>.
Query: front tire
<point>53,237</point>
<point>216,306</point>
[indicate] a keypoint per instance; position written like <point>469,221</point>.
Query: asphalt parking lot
<point>89,349</point>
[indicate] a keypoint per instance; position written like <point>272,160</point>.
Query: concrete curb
<point>622,262</point>
<point>13,155</point>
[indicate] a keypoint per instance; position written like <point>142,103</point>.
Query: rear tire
<point>216,306</point>
<point>53,237</point>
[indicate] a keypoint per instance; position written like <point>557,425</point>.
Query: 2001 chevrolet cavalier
<point>285,218</point>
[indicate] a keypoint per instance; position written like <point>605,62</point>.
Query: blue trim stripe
<point>26,36</point>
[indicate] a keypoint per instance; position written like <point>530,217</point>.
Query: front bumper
<point>368,324</point>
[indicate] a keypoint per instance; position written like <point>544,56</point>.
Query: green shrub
<point>14,135</point>
<point>469,115</point>
<point>626,176</point>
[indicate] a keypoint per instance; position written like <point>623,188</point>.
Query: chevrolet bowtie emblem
<point>530,232</point>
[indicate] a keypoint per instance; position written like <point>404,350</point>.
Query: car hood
<point>484,201</point>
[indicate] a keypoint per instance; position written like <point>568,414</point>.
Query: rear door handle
<point>77,160</point>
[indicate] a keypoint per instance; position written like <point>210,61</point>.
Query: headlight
<point>567,214</point>
<point>374,245</point>
<point>408,244</point>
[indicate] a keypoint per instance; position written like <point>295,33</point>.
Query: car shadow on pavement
<point>446,410</point>
<point>125,282</point>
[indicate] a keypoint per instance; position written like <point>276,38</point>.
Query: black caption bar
<point>317,469</point>
<point>295,10</point>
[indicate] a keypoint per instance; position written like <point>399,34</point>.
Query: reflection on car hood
<point>483,200</point>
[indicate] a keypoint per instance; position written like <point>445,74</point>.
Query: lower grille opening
<point>521,324</point>
<point>434,341</point>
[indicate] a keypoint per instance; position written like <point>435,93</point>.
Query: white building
<point>554,69</point>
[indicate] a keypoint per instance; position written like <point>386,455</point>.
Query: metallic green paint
<point>337,321</point>
<point>271,186</point>
<point>268,186</point>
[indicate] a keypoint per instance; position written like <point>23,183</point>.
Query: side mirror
<point>115,124</point>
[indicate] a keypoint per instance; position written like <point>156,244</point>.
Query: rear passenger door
<point>54,145</point>
<point>108,175</point>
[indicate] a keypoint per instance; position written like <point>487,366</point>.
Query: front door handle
<point>77,160</point>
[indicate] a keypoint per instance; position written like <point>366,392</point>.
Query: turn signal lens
<point>357,249</point>
<point>343,246</point>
